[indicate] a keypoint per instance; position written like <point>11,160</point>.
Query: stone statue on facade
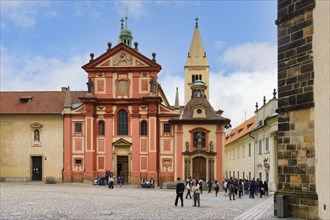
<point>200,138</point>
<point>152,83</point>
<point>211,145</point>
<point>90,85</point>
<point>187,146</point>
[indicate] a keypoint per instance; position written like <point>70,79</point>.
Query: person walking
<point>266,188</point>
<point>196,190</point>
<point>240,188</point>
<point>120,180</point>
<point>216,187</point>
<point>231,189</point>
<point>201,184</point>
<point>209,185</point>
<point>111,181</point>
<point>179,191</point>
<point>252,188</point>
<point>225,185</point>
<point>188,188</point>
<point>261,190</point>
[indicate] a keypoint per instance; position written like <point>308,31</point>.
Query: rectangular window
<point>234,174</point>
<point>267,177</point>
<point>237,174</point>
<point>167,128</point>
<point>267,145</point>
<point>260,176</point>
<point>78,127</point>
<point>229,174</point>
<point>249,149</point>
<point>243,151</point>
<point>78,162</point>
<point>238,153</point>
<point>249,175</point>
<point>122,87</point>
<point>260,146</point>
<point>243,175</point>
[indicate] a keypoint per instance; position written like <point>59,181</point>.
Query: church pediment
<point>121,142</point>
<point>120,56</point>
<point>122,59</point>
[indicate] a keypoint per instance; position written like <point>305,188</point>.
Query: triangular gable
<point>122,59</point>
<point>164,110</point>
<point>121,56</point>
<point>79,109</point>
<point>122,142</point>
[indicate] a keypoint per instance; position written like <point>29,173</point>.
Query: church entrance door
<point>199,168</point>
<point>36,168</point>
<point>122,167</point>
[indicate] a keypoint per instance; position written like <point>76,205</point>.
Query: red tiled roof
<point>241,130</point>
<point>35,102</point>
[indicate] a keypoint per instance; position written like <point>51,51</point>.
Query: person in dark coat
<point>252,188</point>
<point>231,189</point>
<point>209,185</point>
<point>266,188</point>
<point>216,187</point>
<point>179,192</point>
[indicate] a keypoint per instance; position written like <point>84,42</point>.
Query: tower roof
<point>197,54</point>
<point>125,35</point>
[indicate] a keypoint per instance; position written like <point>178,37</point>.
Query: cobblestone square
<point>36,200</point>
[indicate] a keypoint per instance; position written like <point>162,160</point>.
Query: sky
<point>45,43</point>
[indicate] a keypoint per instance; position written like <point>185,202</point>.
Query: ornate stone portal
<point>199,163</point>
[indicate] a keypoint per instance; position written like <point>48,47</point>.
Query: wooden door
<point>199,168</point>
<point>36,168</point>
<point>122,167</point>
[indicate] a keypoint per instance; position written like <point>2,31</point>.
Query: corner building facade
<point>125,124</point>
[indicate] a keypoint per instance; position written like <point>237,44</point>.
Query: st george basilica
<point>123,123</point>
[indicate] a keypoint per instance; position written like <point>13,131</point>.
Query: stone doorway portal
<point>122,167</point>
<point>199,168</point>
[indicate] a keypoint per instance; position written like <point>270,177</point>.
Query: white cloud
<point>21,13</point>
<point>39,73</point>
<point>249,56</point>
<point>219,45</point>
<point>134,8</point>
<point>252,75</point>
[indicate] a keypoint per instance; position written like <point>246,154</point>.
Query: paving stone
<point>32,200</point>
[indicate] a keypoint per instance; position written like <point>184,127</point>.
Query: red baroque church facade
<point>125,124</point>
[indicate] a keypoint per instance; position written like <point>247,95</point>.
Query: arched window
<point>144,128</point>
<point>101,127</point>
<point>122,123</point>
<point>199,139</point>
<point>36,135</point>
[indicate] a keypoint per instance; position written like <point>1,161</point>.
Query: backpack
<point>201,183</point>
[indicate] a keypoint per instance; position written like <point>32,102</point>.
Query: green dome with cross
<point>125,36</point>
